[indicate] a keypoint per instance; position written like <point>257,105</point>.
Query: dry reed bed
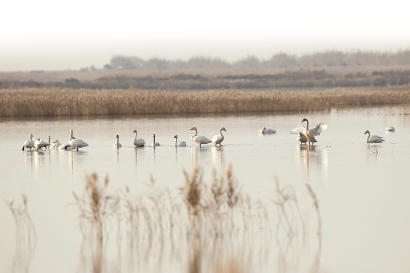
<point>201,210</point>
<point>214,226</point>
<point>72,102</point>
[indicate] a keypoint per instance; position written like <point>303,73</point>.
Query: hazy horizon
<point>56,36</point>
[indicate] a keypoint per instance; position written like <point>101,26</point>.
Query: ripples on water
<point>362,192</point>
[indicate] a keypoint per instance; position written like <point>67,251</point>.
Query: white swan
<point>29,143</point>
<point>138,142</point>
<point>217,139</point>
<point>55,144</point>
<point>266,131</point>
<point>39,143</point>
<point>64,146</point>
<point>302,138</point>
<point>153,141</point>
<point>373,138</point>
<point>312,133</point>
<point>180,143</point>
<point>390,129</point>
<point>76,142</point>
<point>117,143</point>
<point>199,139</point>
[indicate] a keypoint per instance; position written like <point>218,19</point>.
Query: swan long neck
<point>368,135</point>
<point>220,132</point>
<point>176,141</point>
<point>48,138</point>
<point>135,138</point>
<point>71,135</point>
<point>307,125</point>
<point>118,141</point>
<point>30,136</point>
<point>196,132</point>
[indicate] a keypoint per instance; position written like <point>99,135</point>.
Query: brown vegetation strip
<point>84,102</point>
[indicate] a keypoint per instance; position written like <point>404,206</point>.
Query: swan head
<point>223,129</point>
<point>304,120</point>
<point>176,136</point>
<point>117,136</point>
<point>135,131</point>
<point>194,128</point>
<point>367,132</point>
<point>56,141</point>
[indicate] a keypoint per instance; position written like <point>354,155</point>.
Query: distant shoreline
<point>56,102</point>
<point>212,79</point>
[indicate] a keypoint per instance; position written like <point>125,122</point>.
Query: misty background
<point>47,35</point>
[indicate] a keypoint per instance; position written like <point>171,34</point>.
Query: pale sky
<point>59,35</point>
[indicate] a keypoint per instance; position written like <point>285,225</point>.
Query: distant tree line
<point>296,78</point>
<point>330,58</point>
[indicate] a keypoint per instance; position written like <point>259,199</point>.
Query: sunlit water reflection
<point>362,190</point>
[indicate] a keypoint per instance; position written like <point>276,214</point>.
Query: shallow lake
<point>363,191</point>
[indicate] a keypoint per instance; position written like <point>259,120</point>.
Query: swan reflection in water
<point>313,156</point>
<point>204,154</point>
<point>218,158</point>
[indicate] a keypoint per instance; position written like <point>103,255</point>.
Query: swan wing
<point>299,129</point>
<point>28,144</point>
<point>318,129</point>
<point>375,139</point>
<point>201,139</point>
<point>217,139</point>
<point>65,146</point>
<point>139,142</point>
<point>78,143</point>
<point>270,131</point>
<point>181,144</point>
<point>55,146</point>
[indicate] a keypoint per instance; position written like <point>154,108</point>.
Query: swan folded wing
<point>217,139</point>
<point>28,144</point>
<point>78,143</point>
<point>55,145</point>
<point>201,139</point>
<point>375,139</point>
<point>181,144</point>
<point>139,142</point>
<point>65,146</point>
<point>39,143</point>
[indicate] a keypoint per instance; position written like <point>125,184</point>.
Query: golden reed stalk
<point>42,102</point>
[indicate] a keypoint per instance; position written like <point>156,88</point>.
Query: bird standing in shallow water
<point>117,143</point>
<point>180,143</point>
<point>373,138</point>
<point>29,143</point>
<point>217,139</point>
<point>199,139</point>
<point>76,142</point>
<point>138,142</point>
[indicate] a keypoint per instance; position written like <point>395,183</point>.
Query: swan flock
<point>305,135</point>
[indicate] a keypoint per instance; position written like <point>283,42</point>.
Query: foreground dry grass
<point>72,102</point>
<point>210,227</point>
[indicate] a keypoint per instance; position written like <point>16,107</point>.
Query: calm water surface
<point>363,190</point>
